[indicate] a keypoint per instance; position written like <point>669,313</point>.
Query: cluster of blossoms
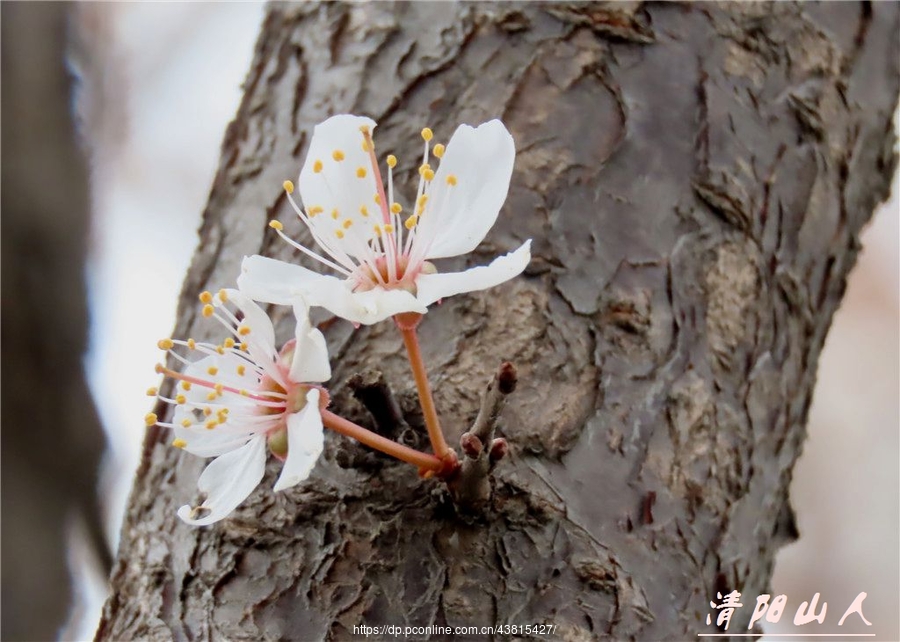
<point>244,398</point>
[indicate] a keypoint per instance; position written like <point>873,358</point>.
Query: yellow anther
<point>361,172</point>
<point>388,228</point>
<point>422,200</point>
<point>211,396</point>
<point>378,199</point>
<point>220,349</point>
<point>363,210</point>
<point>428,175</point>
<point>244,330</point>
<point>207,412</point>
<point>192,345</point>
<point>208,310</point>
<point>219,388</point>
<point>337,155</point>
<point>164,344</point>
<point>212,423</point>
<point>427,134</point>
<point>315,209</point>
<point>339,233</point>
<point>423,167</point>
<point>241,370</point>
<point>391,161</point>
<point>411,222</point>
<point>229,343</point>
<point>276,225</point>
<point>222,414</point>
<point>186,423</point>
<point>243,346</point>
<point>213,371</point>
<point>288,187</point>
<point>158,368</point>
<point>180,399</point>
<point>317,166</point>
<point>438,150</point>
<point>150,418</point>
<point>335,214</point>
<point>364,129</point>
<point>152,392</point>
<point>396,208</point>
<point>185,385</point>
<point>223,295</point>
<point>244,393</point>
<point>347,223</point>
<point>205,297</point>
<point>179,443</point>
<point>377,230</point>
<point>451,179</point>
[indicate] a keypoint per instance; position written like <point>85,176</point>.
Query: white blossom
<point>242,398</point>
<point>383,255</point>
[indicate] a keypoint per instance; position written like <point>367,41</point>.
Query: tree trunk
<point>694,177</point>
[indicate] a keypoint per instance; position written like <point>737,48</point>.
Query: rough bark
<point>694,178</point>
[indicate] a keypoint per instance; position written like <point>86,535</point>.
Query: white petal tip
<point>290,482</point>
<point>197,516</point>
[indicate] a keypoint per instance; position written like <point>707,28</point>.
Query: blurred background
<point>156,84</point>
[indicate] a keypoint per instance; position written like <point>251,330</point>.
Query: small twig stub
<point>471,487</point>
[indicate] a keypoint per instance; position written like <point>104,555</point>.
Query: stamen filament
<point>336,253</point>
<point>269,397</point>
<point>382,197</point>
<point>390,249</point>
<point>313,255</point>
<point>392,245</point>
<point>178,357</point>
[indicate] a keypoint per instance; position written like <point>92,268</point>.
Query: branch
<point>471,488</point>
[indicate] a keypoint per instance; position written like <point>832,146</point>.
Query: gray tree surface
<point>694,177</point>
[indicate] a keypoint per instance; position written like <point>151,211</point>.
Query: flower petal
<point>457,217</point>
<point>377,305</point>
<point>344,182</point>
<point>227,481</point>
<point>212,443</point>
<point>261,338</point>
<point>310,363</point>
<point>274,281</point>
<point>271,281</point>
<point>306,439</point>
<point>431,287</point>
<point>226,369</point>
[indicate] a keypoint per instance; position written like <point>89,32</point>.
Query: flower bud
<point>499,449</point>
<point>471,445</point>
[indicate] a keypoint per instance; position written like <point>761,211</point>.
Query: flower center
<point>367,279</point>
<point>386,253</point>
<point>268,384</point>
<point>277,437</point>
